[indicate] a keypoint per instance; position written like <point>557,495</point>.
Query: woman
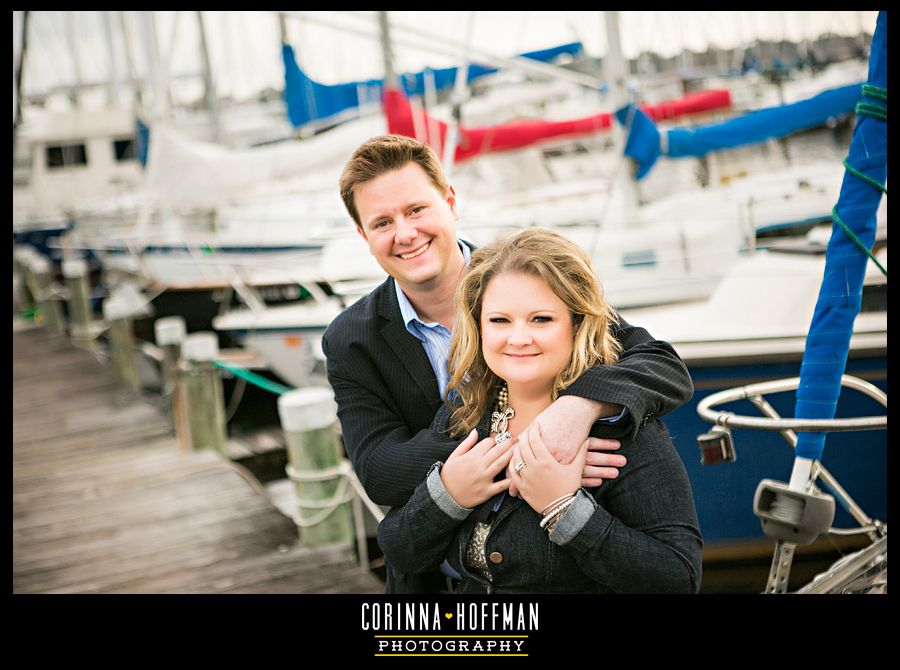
<point>530,320</point>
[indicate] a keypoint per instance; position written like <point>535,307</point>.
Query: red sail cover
<point>404,120</point>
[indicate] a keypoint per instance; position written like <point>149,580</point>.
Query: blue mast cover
<point>308,100</point>
<point>840,296</point>
<point>645,144</point>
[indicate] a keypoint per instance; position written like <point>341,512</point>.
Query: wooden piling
<point>43,289</point>
<point>203,390</point>
<point>80,321</point>
<point>170,332</point>
<point>22,256</point>
<point>316,466</point>
<point>120,334</point>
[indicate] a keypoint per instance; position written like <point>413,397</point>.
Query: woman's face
<point>527,333</point>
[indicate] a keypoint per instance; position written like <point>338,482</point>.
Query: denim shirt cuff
<point>441,497</point>
<point>574,518</point>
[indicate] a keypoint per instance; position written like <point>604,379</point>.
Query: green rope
<point>879,112</point>
<point>873,91</point>
<point>253,378</point>
<point>856,173</point>
<point>838,220</point>
<point>868,109</point>
<point>873,109</point>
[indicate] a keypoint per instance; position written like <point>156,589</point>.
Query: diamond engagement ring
<point>520,465</point>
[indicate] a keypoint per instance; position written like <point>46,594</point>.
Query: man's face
<point>409,225</point>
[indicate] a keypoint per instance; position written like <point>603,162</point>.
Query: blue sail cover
<point>840,296</point>
<point>308,100</point>
<point>645,143</point>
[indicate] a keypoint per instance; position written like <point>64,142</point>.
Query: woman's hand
<point>543,479</point>
<point>469,472</point>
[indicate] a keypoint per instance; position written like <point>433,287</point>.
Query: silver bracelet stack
<point>552,512</point>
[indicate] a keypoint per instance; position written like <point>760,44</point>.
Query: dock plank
<point>104,501</point>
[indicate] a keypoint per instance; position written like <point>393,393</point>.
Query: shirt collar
<point>407,311</point>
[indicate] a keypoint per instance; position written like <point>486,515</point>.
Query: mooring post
<point>44,292</point>
<point>203,387</point>
<point>316,466</point>
<point>170,332</point>
<point>121,344</point>
<point>75,273</point>
<point>22,256</point>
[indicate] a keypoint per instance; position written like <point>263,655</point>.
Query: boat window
<point>638,259</point>
<point>125,149</point>
<point>66,155</point>
<point>874,298</point>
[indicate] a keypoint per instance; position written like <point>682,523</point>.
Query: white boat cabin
<point>77,159</point>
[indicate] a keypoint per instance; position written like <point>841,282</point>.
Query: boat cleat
<point>792,516</point>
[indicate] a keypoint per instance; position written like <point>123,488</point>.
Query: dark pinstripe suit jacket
<point>387,393</point>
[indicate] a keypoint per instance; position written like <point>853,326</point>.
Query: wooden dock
<point>104,501</point>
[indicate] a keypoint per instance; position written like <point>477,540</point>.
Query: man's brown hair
<point>383,154</point>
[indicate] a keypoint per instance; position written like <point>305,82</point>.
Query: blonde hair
<point>567,270</point>
<point>386,153</point>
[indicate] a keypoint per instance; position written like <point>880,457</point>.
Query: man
<point>387,353</point>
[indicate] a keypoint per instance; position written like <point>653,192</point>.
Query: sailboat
<point>781,321</point>
<point>676,249</point>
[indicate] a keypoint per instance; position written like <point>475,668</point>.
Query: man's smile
<point>417,252</point>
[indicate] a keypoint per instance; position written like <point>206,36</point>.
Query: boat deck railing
<point>783,509</point>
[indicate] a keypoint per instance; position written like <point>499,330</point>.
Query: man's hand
<point>566,424</point>
<point>564,427</point>
<point>600,465</point>
<point>540,477</point>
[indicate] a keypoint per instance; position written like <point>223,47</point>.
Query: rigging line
<point>236,396</point>
<point>860,175</point>
<point>856,240</point>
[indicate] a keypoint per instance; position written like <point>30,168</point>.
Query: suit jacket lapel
<point>408,349</point>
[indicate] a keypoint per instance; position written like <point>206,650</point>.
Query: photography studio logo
<point>452,629</point>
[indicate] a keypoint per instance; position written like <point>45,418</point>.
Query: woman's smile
<point>527,334</point>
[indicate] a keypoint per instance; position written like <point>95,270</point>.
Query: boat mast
<point>136,83</point>
<point>156,74</point>
<point>616,74</point>
<point>73,49</point>
<point>458,96</point>
<point>416,38</point>
<point>390,77</point>
<point>20,65</point>
<point>113,97</point>
<point>209,88</point>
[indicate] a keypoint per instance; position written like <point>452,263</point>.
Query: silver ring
<point>520,465</point>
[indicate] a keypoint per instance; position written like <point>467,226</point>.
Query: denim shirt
<point>637,533</point>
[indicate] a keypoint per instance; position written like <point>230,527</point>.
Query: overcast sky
<point>342,46</point>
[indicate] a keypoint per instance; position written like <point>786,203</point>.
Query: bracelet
<point>556,502</point>
<point>551,526</point>
<point>546,521</point>
<point>551,510</point>
<point>552,517</point>
<point>556,511</point>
